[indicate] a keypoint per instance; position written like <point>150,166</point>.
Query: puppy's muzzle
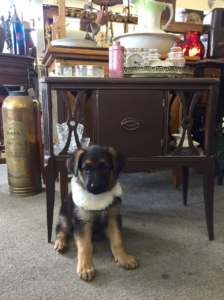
<point>96,188</point>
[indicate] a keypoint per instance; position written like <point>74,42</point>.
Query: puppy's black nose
<point>95,186</point>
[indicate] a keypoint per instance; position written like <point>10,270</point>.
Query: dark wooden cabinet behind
<point>133,125</point>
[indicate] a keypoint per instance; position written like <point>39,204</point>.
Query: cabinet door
<point>131,121</point>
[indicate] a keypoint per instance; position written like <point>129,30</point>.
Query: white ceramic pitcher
<point>149,15</point>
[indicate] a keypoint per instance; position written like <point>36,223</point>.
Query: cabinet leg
<point>63,184</point>
<point>177,178</point>
<point>208,188</point>
<point>50,194</point>
<point>185,172</point>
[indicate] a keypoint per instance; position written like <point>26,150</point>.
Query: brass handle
<point>130,124</point>
<point>221,44</point>
<point>38,104</point>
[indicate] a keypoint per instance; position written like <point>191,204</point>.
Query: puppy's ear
<point>118,160</point>
<point>73,162</point>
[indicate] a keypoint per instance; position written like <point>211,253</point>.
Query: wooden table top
<point>73,79</point>
<point>14,57</point>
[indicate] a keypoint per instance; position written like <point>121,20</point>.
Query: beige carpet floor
<point>170,242</point>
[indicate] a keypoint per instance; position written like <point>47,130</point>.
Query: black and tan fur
<point>97,171</point>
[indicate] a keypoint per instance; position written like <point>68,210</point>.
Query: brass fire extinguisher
<point>21,144</point>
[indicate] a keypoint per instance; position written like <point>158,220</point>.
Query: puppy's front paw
<point>86,273</point>
<point>126,261</point>
<point>60,245</point>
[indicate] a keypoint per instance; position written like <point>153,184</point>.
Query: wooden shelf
<point>15,69</point>
<point>179,27</point>
<point>90,54</point>
<point>176,27</point>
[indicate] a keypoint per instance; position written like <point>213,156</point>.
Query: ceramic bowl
<point>153,40</point>
<point>177,137</point>
<point>73,43</point>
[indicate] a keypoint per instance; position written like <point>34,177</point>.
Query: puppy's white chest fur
<point>89,201</point>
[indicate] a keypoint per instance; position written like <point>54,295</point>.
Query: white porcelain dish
<point>172,143</point>
<point>178,137</point>
<point>73,43</point>
<point>153,40</point>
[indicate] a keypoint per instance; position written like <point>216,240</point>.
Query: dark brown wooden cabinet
<point>128,123</point>
<point>131,115</point>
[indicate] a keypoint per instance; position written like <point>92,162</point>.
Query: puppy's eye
<point>105,168</point>
<point>86,169</point>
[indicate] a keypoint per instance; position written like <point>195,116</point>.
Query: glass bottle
<point>18,36</point>
<point>192,46</point>
<point>63,69</point>
<point>116,60</point>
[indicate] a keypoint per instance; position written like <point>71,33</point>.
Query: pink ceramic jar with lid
<point>116,60</point>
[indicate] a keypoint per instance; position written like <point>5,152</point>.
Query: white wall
<point>198,4</point>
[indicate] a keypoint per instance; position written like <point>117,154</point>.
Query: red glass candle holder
<point>192,46</point>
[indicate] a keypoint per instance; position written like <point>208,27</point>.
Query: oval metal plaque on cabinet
<point>130,124</point>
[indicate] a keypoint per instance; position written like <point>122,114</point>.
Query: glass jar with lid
<point>176,56</point>
<point>89,71</point>
<point>153,56</point>
<point>63,69</point>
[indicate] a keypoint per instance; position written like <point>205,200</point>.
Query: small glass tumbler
<point>89,71</point>
<point>63,69</point>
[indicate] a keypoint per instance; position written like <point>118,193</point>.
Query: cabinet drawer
<point>131,121</point>
<point>211,73</point>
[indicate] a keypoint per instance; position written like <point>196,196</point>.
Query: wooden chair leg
<point>50,194</point>
<point>177,178</point>
<point>185,172</point>
<point>63,184</point>
<point>208,188</point>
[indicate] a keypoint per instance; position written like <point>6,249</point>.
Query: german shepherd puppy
<point>93,207</point>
